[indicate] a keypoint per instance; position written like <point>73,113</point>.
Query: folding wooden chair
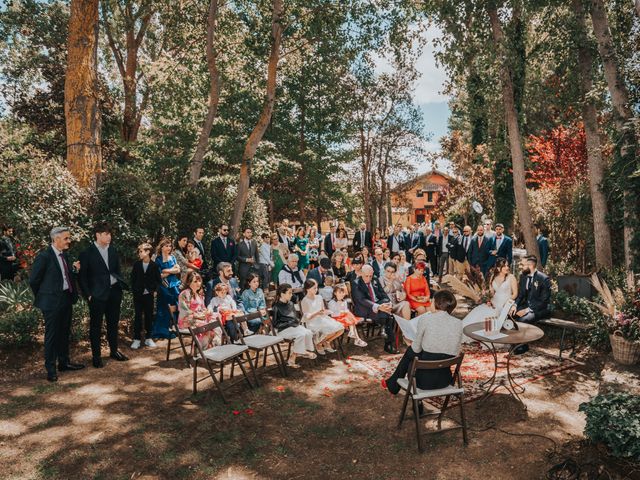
<point>259,343</point>
<point>417,395</point>
<point>180,333</point>
<point>214,359</point>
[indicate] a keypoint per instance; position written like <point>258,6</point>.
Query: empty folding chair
<point>260,343</point>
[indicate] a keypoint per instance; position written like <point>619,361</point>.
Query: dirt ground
<point>139,419</point>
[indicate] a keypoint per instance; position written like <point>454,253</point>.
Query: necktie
<point>66,273</point>
<point>371,292</point>
<point>529,278</point>
<point>333,240</point>
<point>224,240</point>
<point>466,243</point>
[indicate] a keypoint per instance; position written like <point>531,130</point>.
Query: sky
<point>429,97</point>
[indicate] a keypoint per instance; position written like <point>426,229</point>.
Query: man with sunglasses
<point>223,248</point>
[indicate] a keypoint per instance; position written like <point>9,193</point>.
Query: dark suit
<point>8,268</point>
<point>220,253</point>
<point>286,241</point>
<point>143,302</point>
<point>357,240</point>
<point>363,305</point>
<point>543,246</point>
<point>457,251</point>
<point>505,250</point>
<point>104,296</point>
<point>378,270</point>
<point>200,247</point>
<point>396,244</point>
<point>47,283</point>
<point>432,252</point>
<point>413,241</point>
<point>536,297</point>
<point>478,255</point>
<point>328,244</point>
<point>315,274</point>
<point>245,253</point>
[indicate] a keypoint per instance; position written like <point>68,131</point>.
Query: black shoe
<point>97,363</point>
<point>119,357</point>
<point>70,366</point>
<point>52,377</point>
<point>519,350</point>
<point>389,348</point>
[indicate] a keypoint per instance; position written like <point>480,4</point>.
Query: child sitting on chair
<point>192,311</point>
<point>226,306</point>
<point>326,292</point>
<point>340,312</point>
<point>287,324</point>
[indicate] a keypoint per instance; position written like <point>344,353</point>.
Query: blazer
<point>328,244</point>
<point>202,254</point>
<point>221,254</point>
<point>286,241</point>
<point>448,241</point>
<point>362,303</point>
<point>432,246</point>
<point>377,271</point>
<point>95,276</point>
<point>396,245</point>
<point>414,242</point>
<point>543,246</point>
<point>141,280</point>
<point>245,253</point>
<point>357,240</point>
<point>46,281</point>
<point>478,255</point>
<point>538,296</point>
<point>317,276</point>
<point>506,248</point>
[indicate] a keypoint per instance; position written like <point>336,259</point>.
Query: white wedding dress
<point>501,296</point>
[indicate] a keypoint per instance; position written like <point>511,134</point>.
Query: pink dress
<point>188,306</point>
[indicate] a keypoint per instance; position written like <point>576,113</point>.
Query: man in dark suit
<point>362,238</point>
<point>145,281</point>
<point>223,248</point>
<point>503,246</point>
<point>198,236</point>
<point>432,246</point>
<point>534,295</point>
<point>320,272</point>
<point>102,284</point>
<point>330,241</point>
<point>371,301</point>
<point>543,246</point>
<point>247,256</point>
<point>53,287</point>
<point>377,262</point>
<point>412,241</point>
<point>445,245</point>
<point>9,264</point>
<point>395,242</point>
<point>478,253</point>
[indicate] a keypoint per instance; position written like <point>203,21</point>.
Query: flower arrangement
<point>621,309</point>
<point>472,286</point>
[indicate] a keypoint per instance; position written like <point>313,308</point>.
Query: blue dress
<point>167,295</point>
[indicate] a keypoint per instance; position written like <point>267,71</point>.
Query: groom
<point>534,294</point>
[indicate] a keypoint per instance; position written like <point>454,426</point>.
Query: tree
<point>515,139</point>
<point>263,121</point>
<point>82,109</point>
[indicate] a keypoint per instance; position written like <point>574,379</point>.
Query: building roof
<point>427,187</point>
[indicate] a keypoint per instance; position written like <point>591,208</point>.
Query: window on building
<point>419,194</point>
<point>429,196</point>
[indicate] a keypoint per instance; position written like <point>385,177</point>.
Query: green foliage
<point>573,306</point>
<point>614,420</point>
<point>19,327</point>
<point>15,295</point>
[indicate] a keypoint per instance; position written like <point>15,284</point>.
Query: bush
<point>614,420</point>
<point>19,327</point>
<point>598,336</point>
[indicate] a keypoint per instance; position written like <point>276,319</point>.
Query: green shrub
<point>19,327</point>
<point>614,420</point>
<point>598,336</point>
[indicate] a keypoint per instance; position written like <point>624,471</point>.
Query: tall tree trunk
<point>515,140</point>
<point>622,117</point>
<point>263,122</point>
<point>601,231</point>
<point>638,7</point>
<point>365,161</point>
<point>195,165</point>
<point>81,97</point>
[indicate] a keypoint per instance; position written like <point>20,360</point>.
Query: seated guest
<point>338,266</point>
<point>192,311</point>
<point>317,318</point>
<point>225,276</point>
<point>279,253</point>
<point>226,306</point>
<point>326,292</point>
<point>253,301</point>
<point>395,290</point>
<point>356,269</point>
<point>417,289</point>
<point>403,267</point>
<point>371,301</point>
<point>438,337</point>
<point>386,255</point>
<point>366,256</point>
<point>291,274</point>
<point>320,272</point>
<point>534,295</point>
<point>169,289</point>
<point>145,281</point>
<point>287,325</point>
<point>378,262</point>
<point>341,313</point>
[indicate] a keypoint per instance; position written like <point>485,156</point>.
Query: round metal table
<point>525,334</point>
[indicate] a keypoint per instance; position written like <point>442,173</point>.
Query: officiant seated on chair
<point>438,337</point>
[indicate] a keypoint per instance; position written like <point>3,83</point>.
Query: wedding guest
<point>488,231</point>
<point>315,240</point>
<point>317,318</point>
<point>413,240</point>
<point>356,269</point>
<point>225,276</point>
<point>362,238</point>
<point>396,241</point>
<point>478,253</point>
<point>321,272</point>
<point>198,236</point>
<point>432,247</point>
<point>342,240</point>
<point>284,235</point>
<point>194,259</point>
<point>438,337</point>
<point>180,253</point>
<point>330,241</point>
<point>543,245</point>
<point>402,266</point>
<point>55,292</point>
<point>377,240</point>
<point>341,313</point>
<point>223,248</point>
<point>326,292</point>
<point>395,291</point>
<point>291,274</point>
<point>253,300</point>
<point>366,257</point>
<point>386,255</point>
<point>145,282</point>
<point>247,255</point>
<point>417,289</point>
<point>444,246</point>
<point>9,265</point>
<point>377,262</point>
<point>169,288</point>
<point>265,261</point>
<point>371,301</point>
<point>301,249</point>
<point>338,266</point>
<point>462,251</point>
<point>287,325</point>
<point>503,245</point>
<point>192,311</point>
<point>102,283</point>
<point>279,253</point>
<point>224,304</point>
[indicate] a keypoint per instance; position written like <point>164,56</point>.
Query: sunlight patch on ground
<point>11,429</point>
<point>88,415</point>
<point>164,376</point>
<point>237,473</point>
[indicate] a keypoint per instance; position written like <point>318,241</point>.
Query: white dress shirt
<point>104,253</point>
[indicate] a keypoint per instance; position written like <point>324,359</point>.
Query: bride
<point>504,287</point>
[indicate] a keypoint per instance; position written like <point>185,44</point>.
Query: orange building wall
<point>415,205</point>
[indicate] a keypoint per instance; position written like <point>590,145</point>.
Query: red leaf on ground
<point>236,412</point>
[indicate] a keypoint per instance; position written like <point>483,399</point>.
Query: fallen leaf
<point>236,412</point>
<point>249,411</point>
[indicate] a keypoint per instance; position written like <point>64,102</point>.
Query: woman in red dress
<point>417,289</point>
